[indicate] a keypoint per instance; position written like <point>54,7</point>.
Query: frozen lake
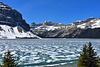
<point>46,52</point>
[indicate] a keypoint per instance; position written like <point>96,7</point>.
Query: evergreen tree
<point>88,57</point>
<point>92,56</point>
<point>83,60</point>
<point>8,60</point>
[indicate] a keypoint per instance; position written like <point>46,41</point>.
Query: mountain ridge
<point>11,21</point>
<point>72,30</point>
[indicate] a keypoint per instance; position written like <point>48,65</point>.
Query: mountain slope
<point>88,28</point>
<point>47,28</point>
<point>9,32</point>
<point>12,25</point>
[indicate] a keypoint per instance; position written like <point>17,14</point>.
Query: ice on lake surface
<point>39,52</point>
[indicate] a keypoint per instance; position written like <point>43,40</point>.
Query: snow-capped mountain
<point>47,25</point>
<point>89,28</point>
<point>94,23</point>
<point>12,25</point>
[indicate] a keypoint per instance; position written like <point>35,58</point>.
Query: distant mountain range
<point>12,26</point>
<point>89,28</point>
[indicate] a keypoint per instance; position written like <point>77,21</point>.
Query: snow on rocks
<point>13,32</point>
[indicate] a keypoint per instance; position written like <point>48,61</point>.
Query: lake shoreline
<point>56,38</point>
<point>65,65</point>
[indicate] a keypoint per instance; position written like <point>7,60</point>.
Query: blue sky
<point>61,11</point>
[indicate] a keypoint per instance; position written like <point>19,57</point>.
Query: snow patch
<point>48,28</point>
<point>12,32</point>
<point>96,24</point>
<point>82,26</point>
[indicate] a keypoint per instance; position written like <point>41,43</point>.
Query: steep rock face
<point>88,33</point>
<point>12,25</point>
<point>89,28</point>
<point>11,17</point>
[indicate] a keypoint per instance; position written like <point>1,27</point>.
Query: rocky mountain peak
<point>11,17</point>
<point>89,19</point>
<point>45,21</point>
<point>4,6</point>
<point>83,21</point>
<point>48,23</point>
<point>33,23</point>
